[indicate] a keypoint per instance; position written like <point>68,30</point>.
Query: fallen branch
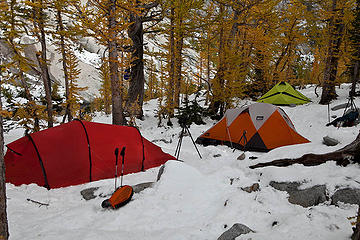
<point>40,203</point>
<point>341,157</point>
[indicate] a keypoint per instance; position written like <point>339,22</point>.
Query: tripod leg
<point>178,147</point>
<point>193,142</point>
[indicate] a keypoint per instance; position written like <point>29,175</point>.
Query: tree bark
<point>171,84</point>
<point>341,156</point>
<point>137,79</point>
<point>218,84</point>
<point>4,230</point>
<point>42,59</point>
<point>117,108</point>
<point>336,29</point>
<point>355,78</point>
<point>64,61</point>
<point>179,42</point>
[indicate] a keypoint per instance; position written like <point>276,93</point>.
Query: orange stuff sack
<point>119,198</point>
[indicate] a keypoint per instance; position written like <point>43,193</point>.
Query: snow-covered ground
<point>194,199</point>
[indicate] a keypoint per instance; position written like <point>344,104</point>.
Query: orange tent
<point>258,127</point>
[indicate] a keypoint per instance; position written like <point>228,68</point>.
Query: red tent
<point>78,152</point>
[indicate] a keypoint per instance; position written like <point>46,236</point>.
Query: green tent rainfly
<point>283,94</point>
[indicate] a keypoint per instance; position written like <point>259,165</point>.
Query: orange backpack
<point>119,198</point>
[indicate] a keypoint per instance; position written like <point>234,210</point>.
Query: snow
<point>195,199</point>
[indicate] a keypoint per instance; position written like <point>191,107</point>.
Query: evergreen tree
<point>192,112</point>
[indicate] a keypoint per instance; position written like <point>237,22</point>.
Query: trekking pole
<point>122,167</point>
<point>116,164</point>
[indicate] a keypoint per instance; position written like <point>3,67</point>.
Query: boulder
<point>236,230</point>
<point>253,188</point>
<point>88,193</point>
<point>161,171</point>
<point>328,141</point>
<point>309,197</point>
<point>241,157</point>
<point>141,186</point>
<point>304,197</point>
<point>346,195</point>
<point>285,186</point>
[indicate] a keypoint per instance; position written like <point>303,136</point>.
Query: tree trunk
<point>341,156</point>
<point>171,84</point>
<point>19,61</point>
<point>4,231</point>
<point>179,42</point>
<point>218,81</point>
<point>355,78</point>
<point>137,79</point>
<point>336,28</point>
<point>64,61</point>
<point>117,108</point>
<point>42,59</point>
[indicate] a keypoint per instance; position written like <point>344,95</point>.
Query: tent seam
<point>88,142</point>
<point>41,161</point>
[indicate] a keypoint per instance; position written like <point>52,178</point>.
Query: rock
<point>161,171</point>
<point>346,195</point>
<point>90,45</point>
<point>340,106</point>
<point>88,193</point>
<point>236,230</point>
<point>252,188</point>
<point>305,197</point>
<point>241,157</point>
<point>285,186</point>
<point>309,197</point>
<point>217,155</point>
<point>328,141</point>
<point>141,186</point>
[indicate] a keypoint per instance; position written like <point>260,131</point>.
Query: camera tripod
<point>178,147</point>
<point>350,104</point>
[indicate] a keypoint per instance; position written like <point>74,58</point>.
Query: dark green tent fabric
<point>283,94</point>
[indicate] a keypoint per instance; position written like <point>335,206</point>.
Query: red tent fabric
<point>78,152</point>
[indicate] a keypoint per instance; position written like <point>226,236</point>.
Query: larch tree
<point>4,228</point>
<point>180,27</point>
<point>287,43</point>
<point>335,36</point>
<point>105,90</point>
<point>354,33</point>
<point>147,12</point>
<point>65,35</point>
<point>106,21</point>
<point>39,19</point>
<point>233,15</point>
<point>29,113</point>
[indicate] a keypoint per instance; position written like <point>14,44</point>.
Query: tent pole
<point>228,132</point>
